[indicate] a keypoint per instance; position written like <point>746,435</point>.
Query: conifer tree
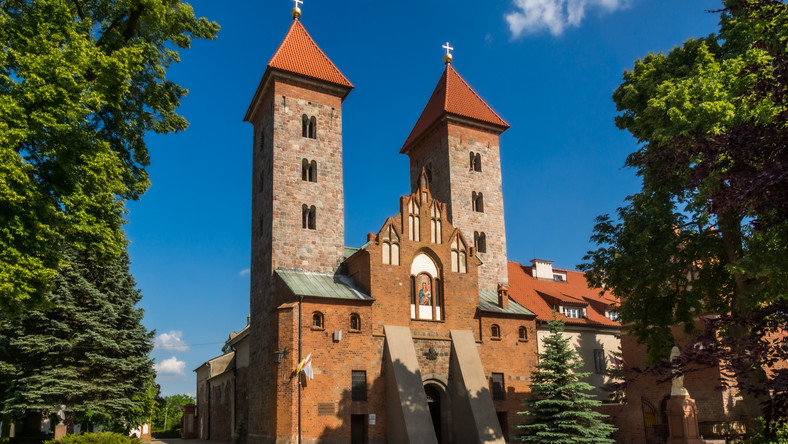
<point>560,404</point>
<point>88,349</point>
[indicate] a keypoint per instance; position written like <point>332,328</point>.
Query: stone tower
<point>456,140</point>
<point>297,197</point>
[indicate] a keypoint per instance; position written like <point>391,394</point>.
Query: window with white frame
<point>573,312</point>
<point>612,315</point>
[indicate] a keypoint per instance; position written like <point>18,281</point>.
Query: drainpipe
<point>299,361</point>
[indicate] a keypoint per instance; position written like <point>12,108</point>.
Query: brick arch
<point>429,252</point>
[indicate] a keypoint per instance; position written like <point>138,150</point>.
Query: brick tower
<point>456,141</point>
<point>297,197</point>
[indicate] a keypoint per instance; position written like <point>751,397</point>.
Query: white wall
<point>585,341</point>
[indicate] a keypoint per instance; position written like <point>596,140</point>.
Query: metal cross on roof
<point>447,57</point>
<point>298,2</point>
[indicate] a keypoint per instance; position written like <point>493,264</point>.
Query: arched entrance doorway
<point>433,392</point>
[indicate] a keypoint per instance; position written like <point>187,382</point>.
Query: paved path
<point>184,441</point>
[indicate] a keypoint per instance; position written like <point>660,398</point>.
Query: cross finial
<point>447,57</point>
<point>296,10</point>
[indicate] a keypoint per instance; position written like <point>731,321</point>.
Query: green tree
<point>560,405</point>
<point>88,350</point>
<point>81,83</point>
<point>169,411</point>
<point>708,232</point>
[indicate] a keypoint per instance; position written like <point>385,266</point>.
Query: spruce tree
<point>560,404</point>
<point>87,349</point>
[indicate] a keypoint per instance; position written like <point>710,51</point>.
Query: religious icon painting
<point>424,285</point>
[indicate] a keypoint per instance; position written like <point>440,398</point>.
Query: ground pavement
<point>184,441</point>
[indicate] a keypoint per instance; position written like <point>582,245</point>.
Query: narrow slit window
<point>313,128</point>
<point>312,224</point>
<point>304,125</point>
<point>313,171</point>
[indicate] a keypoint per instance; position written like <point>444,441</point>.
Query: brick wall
<point>646,390</point>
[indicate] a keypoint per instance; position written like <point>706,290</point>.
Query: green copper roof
<point>488,301</point>
<point>322,285</point>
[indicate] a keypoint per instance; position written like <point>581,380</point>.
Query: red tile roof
<point>537,295</point>
<point>299,54</point>
<point>453,95</point>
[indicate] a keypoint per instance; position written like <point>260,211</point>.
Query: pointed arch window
<point>435,224</point>
<point>480,241</point>
<point>458,256</point>
<point>413,221</point>
<point>426,295</point>
<point>308,170</point>
<point>390,246</point>
<point>477,202</point>
<point>308,217</point>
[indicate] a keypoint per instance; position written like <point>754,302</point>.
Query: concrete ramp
<point>473,413</point>
<point>408,418</point>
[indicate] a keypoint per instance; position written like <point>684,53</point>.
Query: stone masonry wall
<point>446,151</point>
<point>278,238</point>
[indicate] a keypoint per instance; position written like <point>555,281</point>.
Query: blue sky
<point>548,67</point>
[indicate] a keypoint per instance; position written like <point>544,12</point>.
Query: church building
<point>412,337</point>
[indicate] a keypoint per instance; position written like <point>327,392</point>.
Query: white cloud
<point>170,341</point>
<point>244,272</point>
<point>534,16</point>
<point>170,367</point>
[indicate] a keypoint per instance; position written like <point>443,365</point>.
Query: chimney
<point>503,295</point>
<point>542,269</point>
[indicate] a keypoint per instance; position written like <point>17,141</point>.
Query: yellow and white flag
<point>306,366</point>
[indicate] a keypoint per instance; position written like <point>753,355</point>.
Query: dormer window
<point>612,315</point>
<point>558,278</point>
<point>573,312</point>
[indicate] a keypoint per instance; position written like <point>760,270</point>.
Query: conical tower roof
<point>453,95</point>
<point>299,54</point>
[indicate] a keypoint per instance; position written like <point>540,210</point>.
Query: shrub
<point>96,438</point>
<point>173,433</point>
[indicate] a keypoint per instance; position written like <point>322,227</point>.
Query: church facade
<point>414,336</point>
